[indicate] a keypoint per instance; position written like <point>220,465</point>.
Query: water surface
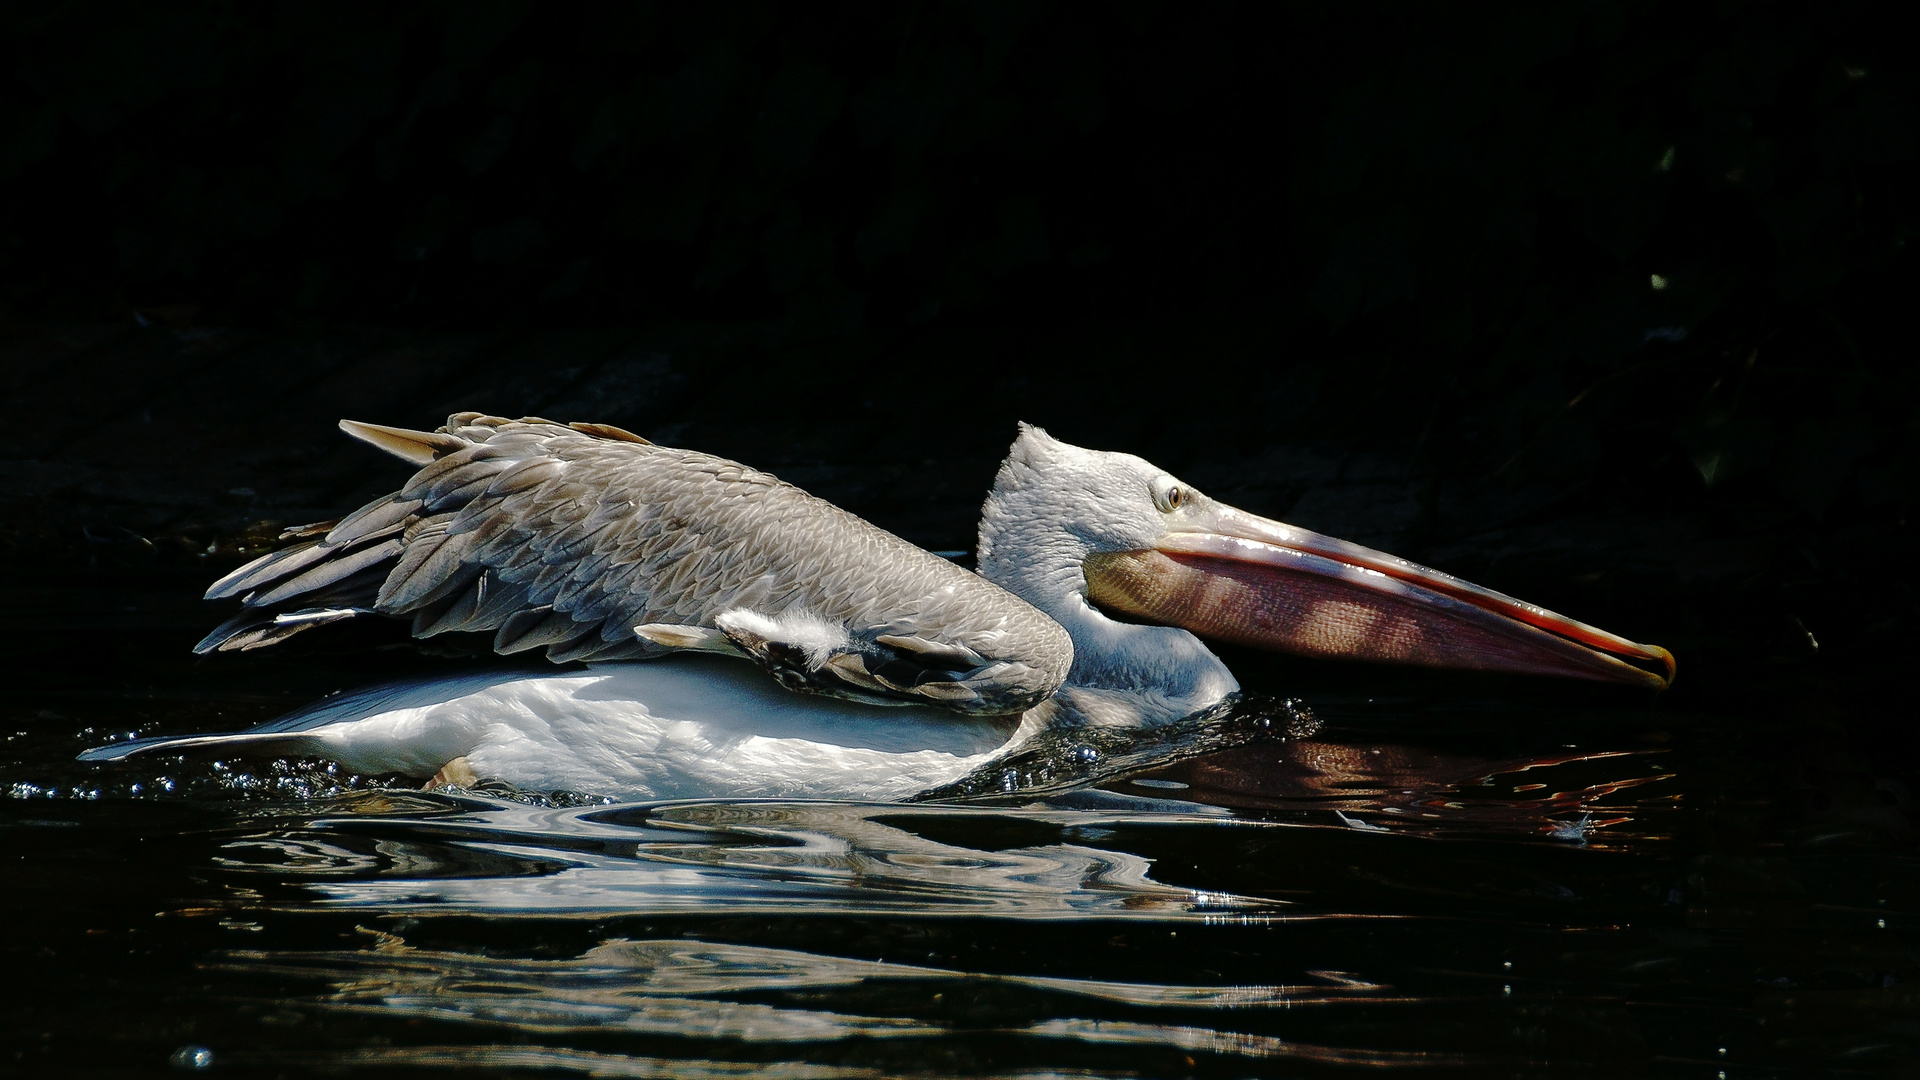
<point>1442,874</point>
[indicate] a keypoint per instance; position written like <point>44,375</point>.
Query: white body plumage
<point>678,728</point>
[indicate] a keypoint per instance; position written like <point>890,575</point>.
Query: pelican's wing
<point>571,537</point>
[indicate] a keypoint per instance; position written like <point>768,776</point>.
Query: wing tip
<point>414,447</point>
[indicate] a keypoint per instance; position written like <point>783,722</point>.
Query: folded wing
<point>569,537</point>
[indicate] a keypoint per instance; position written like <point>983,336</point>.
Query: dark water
<point>1441,874</point>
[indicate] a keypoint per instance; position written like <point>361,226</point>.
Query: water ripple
<point>757,857</point>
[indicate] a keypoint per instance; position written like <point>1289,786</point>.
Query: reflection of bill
<point>1561,794</point>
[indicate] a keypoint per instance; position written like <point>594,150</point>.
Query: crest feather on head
<point>1033,445</point>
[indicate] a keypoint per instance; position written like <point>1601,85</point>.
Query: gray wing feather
<point>564,538</point>
<point>268,568</point>
<point>377,518</point>
<point>331,571</point>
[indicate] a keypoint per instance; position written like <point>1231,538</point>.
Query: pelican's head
<point>1065,524</point>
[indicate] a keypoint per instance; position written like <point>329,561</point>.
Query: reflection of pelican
<point>599,545</point>
<point>1413,788</point>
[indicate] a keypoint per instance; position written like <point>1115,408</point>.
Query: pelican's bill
<point>1237,577</point>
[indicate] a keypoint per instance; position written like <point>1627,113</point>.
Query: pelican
<point>743,638</point>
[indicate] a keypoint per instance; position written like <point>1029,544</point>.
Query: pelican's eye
<point>1168,495</point>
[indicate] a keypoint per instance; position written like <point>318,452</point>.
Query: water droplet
<point>1575,830</point>
<point>194,1058</point>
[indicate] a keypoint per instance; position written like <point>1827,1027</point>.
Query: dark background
<point>1605,303</point>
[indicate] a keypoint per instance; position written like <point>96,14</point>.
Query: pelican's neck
<point>1164,671</point>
